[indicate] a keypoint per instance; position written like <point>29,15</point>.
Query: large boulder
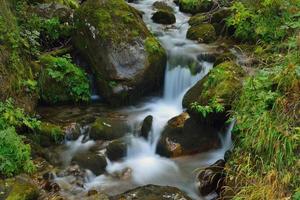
<point>211,178</point>
<point>195,6</point>
<point>124,56</point>
<point>108,129</point>
<point>185,136</point>
<point>151,192</point>
<point>204,33</point>
<point>210,98</point>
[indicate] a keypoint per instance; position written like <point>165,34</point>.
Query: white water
<point>146,166</point>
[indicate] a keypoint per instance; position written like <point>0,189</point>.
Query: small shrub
<point>14,154</point>
<point>70,80</point>
<point>12,116</point>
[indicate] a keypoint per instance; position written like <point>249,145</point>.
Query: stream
<point>146,166</point>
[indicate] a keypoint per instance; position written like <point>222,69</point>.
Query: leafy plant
<point>14,154</point>
<point>68,76</point>
<point>16,117</point>
<point>213,106</point>
<point>266,20</point>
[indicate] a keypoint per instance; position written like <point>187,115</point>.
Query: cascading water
<point>146,167</point>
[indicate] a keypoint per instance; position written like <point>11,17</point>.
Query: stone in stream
<point>211,178</point>
<point>108,129</point>
<point>146,126</point>
<point>116,150</point>
<point>92,161</point>
<point>126,59</point>
<point>153,192</point>
<point>183,135</point>
<point>218,88</point>
<point>204,33</point>
<point>164,13</point>
<point>195,6</point>
<point>164,17</point>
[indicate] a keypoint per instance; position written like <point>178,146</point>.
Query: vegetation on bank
<point>32,43</point>
<point>265,161</point>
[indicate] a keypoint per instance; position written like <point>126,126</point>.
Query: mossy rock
<point>160,5</point>
<point>69,3</point>
<point>50,134</point>
<point>125,58</point>
<point>195,6</point>
<point>15,68</point>
<point>198,19</point>
<point>164,17</point>
<point>223,84</point>
<point>18,189</point>
<point>204,33</point>
<point>108,129</point>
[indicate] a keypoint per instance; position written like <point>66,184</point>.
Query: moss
<point>62,82</point>
<point>159,5</point>
<point>222,83</point>
<point>14,65</point>
<point>198,19</point>
<point>195,6</point>
<point>18,189</point>
<point>51,132</point>
<point>203,33</point>
<point>107,19</point>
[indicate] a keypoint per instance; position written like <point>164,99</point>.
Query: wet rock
<point>146,126</point>
<point>151,192</point>
<point>194,7</point>
<point>73,131</point>
<point>185,136</point>
<point>221,84</point>
<point>164,17</point>
<point>108,129</point>
<point>125,58</point>
<point>51,186</point>
<point>220,15</point>
<point>123,174</point>
<point>204,33</point>
<point>116,150</point>
<point>19,188</point>
<point>92,161</point>
<point>211,178</point>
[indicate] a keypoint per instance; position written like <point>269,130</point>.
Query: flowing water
<point>146,166</point>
